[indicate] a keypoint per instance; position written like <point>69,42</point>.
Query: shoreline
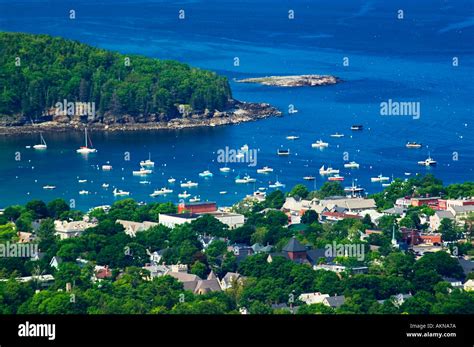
<point>243,112</point>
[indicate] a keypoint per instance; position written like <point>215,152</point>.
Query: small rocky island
<point>293,81</point>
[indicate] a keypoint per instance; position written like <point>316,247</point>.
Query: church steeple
<point>394,240</point>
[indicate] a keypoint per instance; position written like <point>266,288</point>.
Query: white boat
<point>224,169</point>
<point>206,173</point>
<point>171,180</point>
<point>189,184</point>
<point>42,145</point>
<point>337,135</point>
<point>413,145</point>
<point>336,177</point>
<point>277,184</point>
<point>379,178</point>
<point>148,162</point>
<point>84,192</point>
<point>184,195</point>
<point>49,187</point>
<point>309,178</point>
<point>292,137</point>
<point>351,165</point>
<point>245,179</point>
<point>195,199</point>
<point>162,191</point>
<point>223,192</point>
<point>144,182</point>
<point>327,171</point>
<point>407,173</point>
<point>353,189</point>
<point>106,167</point>
<point>428,162</point>
<point>142,172</point>
<point>105,185</point>
<point>283,152</point>
<point>386,184</point>
<point>82,181</point>
<point>320,144</point>
<point>264,170</point>
<point>120,192</point>
<point>28,147</point>
<point>85,149</point>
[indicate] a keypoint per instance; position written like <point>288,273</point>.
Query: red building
<point>428,201</point>
<point>197,207</point>
<point>295,250</point>
<point>431,238</point>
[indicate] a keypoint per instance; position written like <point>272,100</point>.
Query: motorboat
<point>320,144</point>
<point>265,170</point>
<point>245,179</point>
<point>189,184</point>
<point>337,135</point>
<point>413,145</point>
<point>142,172</point>
<point>195,199</point>
<point>379,178</point>
<point>283,152</point>
<point>184,195</point>
<point>162,191</point>
<point>205,174</point>
<point>120,192</point>
<point>327,171</point>
<point>351,165</point>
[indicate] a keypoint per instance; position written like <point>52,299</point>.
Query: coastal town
<point>300,252</point>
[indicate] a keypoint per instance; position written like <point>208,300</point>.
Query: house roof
<point>335,301</point>
<point>444,214</point>
<point>294,246</point>
<point>467,265</point>
<point>211,285</point>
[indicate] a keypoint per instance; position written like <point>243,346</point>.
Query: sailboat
<point>42,145</point>
<point>148,162</point>
<point>85,149</point>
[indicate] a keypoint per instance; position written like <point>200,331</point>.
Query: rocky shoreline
<point>239,112</point>
<point>293,81</point>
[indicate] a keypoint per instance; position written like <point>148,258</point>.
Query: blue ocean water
<point>407,59</point>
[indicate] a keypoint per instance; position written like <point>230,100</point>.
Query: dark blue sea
<point>409,59</point>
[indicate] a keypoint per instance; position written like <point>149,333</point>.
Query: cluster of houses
<point>454,209</point>
<point>329,210</point>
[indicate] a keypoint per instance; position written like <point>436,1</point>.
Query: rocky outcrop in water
<point>293,81</point>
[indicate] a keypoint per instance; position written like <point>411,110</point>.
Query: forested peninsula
<point>43,79</point>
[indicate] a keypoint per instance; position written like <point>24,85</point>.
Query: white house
<point>313,298</point>
<point>173,219</point>
<point>66,229</point>
<point>232,220</point>
<point>131,228</point>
